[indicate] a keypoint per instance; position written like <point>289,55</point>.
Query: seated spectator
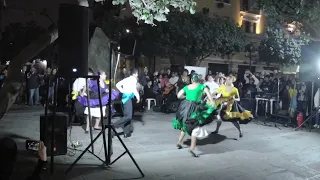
<point>174,78</point>
<point>164,80</point>
<point>148,91</point>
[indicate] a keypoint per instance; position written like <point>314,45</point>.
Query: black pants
<point>125,121</point>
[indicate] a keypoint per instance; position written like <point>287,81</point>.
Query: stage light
<point>118,47</point>
<point>45,63</point>
<point>74,70</point>
<point>128,30</point>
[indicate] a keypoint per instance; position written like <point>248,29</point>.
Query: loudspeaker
<point>73,40</point>
<point>61,127</point>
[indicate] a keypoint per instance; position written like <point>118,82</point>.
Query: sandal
<point>193,153</point>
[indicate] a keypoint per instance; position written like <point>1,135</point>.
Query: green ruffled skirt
<point>191,115</point>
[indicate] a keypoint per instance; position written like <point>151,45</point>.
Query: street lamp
<point>128,30</point>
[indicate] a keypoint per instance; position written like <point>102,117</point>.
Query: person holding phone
<point>8,157</point>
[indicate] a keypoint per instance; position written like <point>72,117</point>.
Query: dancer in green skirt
<point>193,113</point>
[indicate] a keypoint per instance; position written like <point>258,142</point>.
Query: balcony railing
<point>246,16</point>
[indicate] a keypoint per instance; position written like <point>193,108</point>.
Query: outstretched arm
<point>206,90</point>
<point>236,97</point>
<point>181,94</point>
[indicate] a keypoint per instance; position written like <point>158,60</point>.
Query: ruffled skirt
<point>95,112</point>
<point>234,112</point>
<point>94,99</point>
<point>191,117</point>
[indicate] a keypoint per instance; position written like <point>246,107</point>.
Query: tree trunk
<point>12,85</point>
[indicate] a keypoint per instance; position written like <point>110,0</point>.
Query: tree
<point>193,37</point>
<point>290,23</point>
<point>283,12</point>
<point>280,48</point>
<point>146,11</point>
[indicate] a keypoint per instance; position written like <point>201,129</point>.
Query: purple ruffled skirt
<point>94,102</point>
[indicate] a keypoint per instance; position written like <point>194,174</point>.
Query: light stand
<point>109,151</point>
<point>52,148</point>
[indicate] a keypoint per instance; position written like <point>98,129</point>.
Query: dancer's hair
<point>195,78</point>
<point>133,71</point>
<point>90,70</point>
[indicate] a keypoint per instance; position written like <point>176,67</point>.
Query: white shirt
<point>128,85</point>
<point>79,84</point>
<point>212,86</point>
<point>316,99</point>
<point>173,80</point>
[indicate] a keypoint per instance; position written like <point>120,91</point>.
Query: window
<point>224,1</point>
<point>205,11</point>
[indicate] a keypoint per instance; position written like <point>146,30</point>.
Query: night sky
<point>27,10</point>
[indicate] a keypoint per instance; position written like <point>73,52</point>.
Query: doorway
<point>214,68</point>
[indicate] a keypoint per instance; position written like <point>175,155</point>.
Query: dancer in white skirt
<point>94,101</point>
<point>192,113</point>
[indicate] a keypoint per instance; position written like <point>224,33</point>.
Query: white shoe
<point>315,126</point>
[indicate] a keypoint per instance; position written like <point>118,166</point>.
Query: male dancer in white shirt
<point>128,88</point>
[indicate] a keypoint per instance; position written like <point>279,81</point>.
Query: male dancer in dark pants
<point>128,88</point>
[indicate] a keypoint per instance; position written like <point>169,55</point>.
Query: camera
<point>32,145</point>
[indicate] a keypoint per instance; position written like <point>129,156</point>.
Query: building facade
<point>251,21</point>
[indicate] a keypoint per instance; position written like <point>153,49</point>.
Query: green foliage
<point>149,11</point>
<point>279,44</point>
<point>279,47</point>
<point>291,10</point>
<point>193,36</point>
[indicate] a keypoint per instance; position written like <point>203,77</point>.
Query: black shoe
<point>193,153</point>
<point>240,135</point>
<point>215,132</point>
<point>127,135</point>
<point>179,146</point>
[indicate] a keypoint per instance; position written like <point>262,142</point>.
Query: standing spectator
<point>33,86</point>
<point>184,79</point>
<point>51,84</point>
<point>22,98</point>
<point>169,73</point>
<point>302,98</point>
<point>211,84</point>
<point>123,74</point>
<point>144,77</point>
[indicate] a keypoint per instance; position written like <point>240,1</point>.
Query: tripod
<point>108,151</point>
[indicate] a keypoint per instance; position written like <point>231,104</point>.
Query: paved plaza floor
<point>264,153</point>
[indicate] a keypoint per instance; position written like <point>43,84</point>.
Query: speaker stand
<point>108,152</point>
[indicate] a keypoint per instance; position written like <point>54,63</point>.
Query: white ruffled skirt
<point>199,132</point>
<point>95,112</point>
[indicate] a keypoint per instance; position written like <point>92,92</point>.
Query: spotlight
<point>128,30</point>
<point>74,70</point>
<point>118,47</point>
<point>45,63</point>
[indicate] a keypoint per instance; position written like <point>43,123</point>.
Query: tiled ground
<point>263,153</point>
